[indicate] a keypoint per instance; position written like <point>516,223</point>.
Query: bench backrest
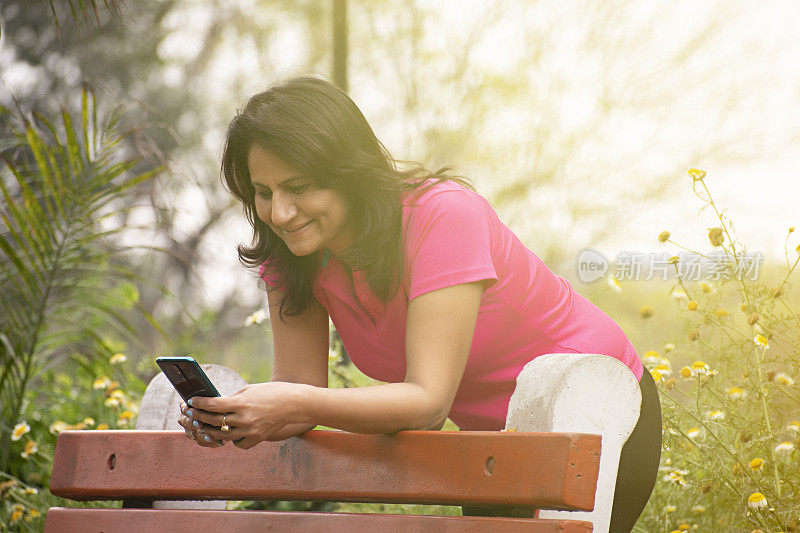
<point>541,470</point>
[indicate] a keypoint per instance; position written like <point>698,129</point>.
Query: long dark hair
<point>316,128</point>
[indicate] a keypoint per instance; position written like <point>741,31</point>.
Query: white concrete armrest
<point>160,409</point>
<point>580,393</point>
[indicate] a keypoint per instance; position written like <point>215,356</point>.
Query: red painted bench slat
<point>543,470</point>
<point>65,520</point>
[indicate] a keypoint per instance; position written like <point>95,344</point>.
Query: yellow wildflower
<point>699,509</point>
<point>657,376</point>
<point>793,426</point>
<point>743,307</point>
<point>256,318</point>
<point>119,394</point>
<point>694,433</point>
<point>757,463</point>
<point>32,513</point>
<point>58,426</point>
<point>675,477</point>
<point>670,509</point>
<point>651,357</point>
<point>124,418</point>
<point>706,288</point>
<point>669,347</point>
<point>102,426</point>
<point>31,490</point>
<point>761,340</point>
<point>683,527</point>
<point>664,370</point>
<point>19,430</point>
<point>782,378</point>
<point>716,236</point>
<point>696,174</point>
<point>715,415</point>
<point>692,306</point>
<point>737,393</point>
<point>101,382</point>
<point>699,368</point>
<point>678,294</point>
<point>30,448</point>
<point>89,421</point>
<point>722,313</point>
<point>674,260</point>
<point>117,358</point>
<point>670,383</point>
<point>784,447</point>
<point>663,236</point>
<point>646,312</point>
<point>756,501</point>
<point>16,514</point>
<point>10,484</point>
<point>111,402</point>
<point>614,283</point>
<point>686,372</point>
<point>113,386</point>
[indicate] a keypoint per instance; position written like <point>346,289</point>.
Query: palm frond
<point>85,8</point>
<point>60,184</point>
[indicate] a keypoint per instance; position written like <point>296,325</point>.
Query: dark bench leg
<point>137,504</point>
<point>498,510</point>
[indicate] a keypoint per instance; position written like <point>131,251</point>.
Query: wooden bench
<point>512,472</point>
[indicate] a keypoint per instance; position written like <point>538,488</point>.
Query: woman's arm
<point>300,357</point>
<point>301,352</point>
<point>439,332</point>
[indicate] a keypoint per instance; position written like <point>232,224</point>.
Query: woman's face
<point>305,216</point>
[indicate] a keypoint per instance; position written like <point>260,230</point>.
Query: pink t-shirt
<point>451,236</point>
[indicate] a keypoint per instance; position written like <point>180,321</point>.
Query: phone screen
<point>187,377</point>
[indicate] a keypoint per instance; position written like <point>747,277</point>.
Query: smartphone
<point>187,377</point>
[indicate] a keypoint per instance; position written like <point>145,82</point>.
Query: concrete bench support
<point>581,393</point>
<point>160,409</point>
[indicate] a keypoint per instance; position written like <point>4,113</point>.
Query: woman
<point>429,291</point>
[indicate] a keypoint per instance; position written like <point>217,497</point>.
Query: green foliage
<point>61,290</point>
<point>732,411</point>
<point>86,393</point>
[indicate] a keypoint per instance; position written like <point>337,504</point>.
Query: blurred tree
<point>164,61</point>
<point>340,43</point>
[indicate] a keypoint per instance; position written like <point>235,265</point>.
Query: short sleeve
<point>448,241</point>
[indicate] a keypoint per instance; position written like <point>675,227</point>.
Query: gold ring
<point>224,426</point>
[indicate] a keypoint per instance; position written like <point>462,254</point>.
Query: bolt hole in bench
<point>553,463</point>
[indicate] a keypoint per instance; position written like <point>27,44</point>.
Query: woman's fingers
<point>209,417</point>
<point>198,432</point>
<point>217,433</point>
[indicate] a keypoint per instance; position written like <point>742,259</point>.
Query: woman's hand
<point>262,411</point>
